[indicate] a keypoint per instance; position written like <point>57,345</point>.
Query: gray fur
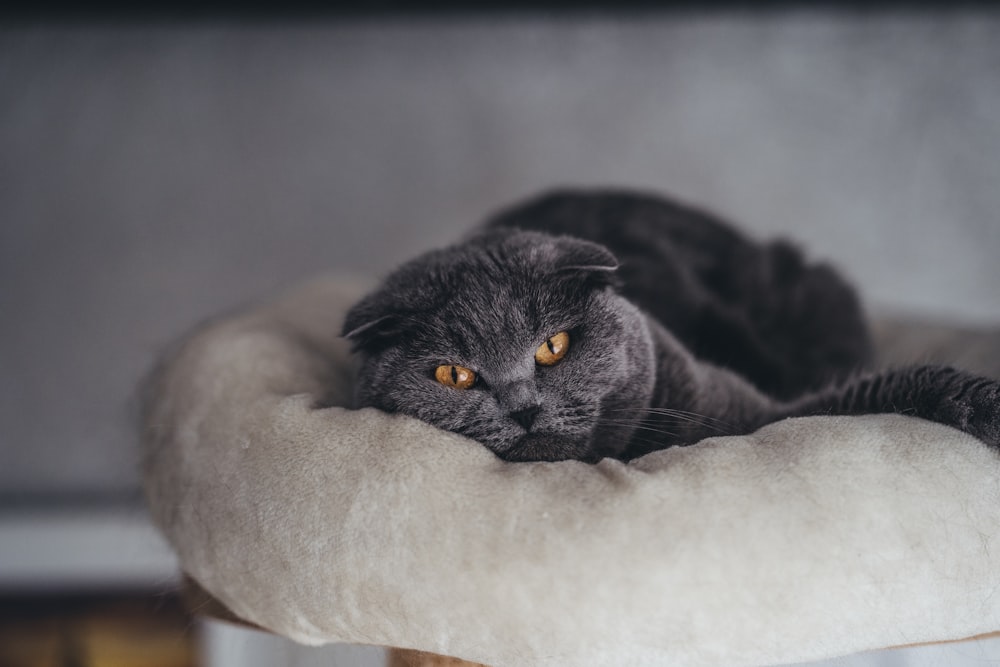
<point>679,328</point>
<point>488,304</point>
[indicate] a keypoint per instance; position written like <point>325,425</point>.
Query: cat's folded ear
<point>370,323</point>
<point>592,261</point>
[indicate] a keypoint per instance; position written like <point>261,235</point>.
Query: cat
<point>591,324</point>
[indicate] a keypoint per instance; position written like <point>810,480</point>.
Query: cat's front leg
<point>943,394</point>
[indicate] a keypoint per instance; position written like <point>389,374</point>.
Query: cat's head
<point>516,339</point>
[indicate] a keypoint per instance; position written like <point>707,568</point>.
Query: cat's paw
<point>973,405</point>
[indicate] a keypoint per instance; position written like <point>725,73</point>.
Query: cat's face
<point>460,338</point>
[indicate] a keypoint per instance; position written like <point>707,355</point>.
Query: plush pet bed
<point>808,539</point>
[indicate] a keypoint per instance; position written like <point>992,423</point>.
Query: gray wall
<point>150,177</point>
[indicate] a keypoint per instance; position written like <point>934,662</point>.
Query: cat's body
<point>666,326</point>
<point>757,309</point>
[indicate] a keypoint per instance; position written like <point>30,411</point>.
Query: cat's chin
<point>548,447</point>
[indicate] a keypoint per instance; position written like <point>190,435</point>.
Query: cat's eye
<point>552,350</point>
<point>456,377</point>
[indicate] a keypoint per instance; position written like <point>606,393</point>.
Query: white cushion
<point>808,539</point>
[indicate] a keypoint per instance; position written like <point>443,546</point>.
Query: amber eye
<point>552,350</point>
<point>456,377</point>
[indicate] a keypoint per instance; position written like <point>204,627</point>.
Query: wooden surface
<point>399,657</point>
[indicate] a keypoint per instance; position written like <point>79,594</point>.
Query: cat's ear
<point>370,323</point>
<point>590,260</point>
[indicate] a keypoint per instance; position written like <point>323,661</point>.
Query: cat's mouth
<point>547,447</point>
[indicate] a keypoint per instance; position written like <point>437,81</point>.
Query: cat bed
<point>808,539</point>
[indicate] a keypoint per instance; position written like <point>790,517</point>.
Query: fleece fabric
<point>809,539</point>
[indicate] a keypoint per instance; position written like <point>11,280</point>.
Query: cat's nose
<point>526,416</point>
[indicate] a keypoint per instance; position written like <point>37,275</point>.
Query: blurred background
<point>155,171</point>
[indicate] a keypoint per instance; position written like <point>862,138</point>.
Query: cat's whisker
<point>630,424</point>
<point>673,412</point>
<point>655,443</point>
<point>696,415</point>
<point>653,425</point>
<point>707,421</point>
<point>670,411</point>
<point>686,423</point>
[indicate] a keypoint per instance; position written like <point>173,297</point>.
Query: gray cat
<point>584,325</point>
